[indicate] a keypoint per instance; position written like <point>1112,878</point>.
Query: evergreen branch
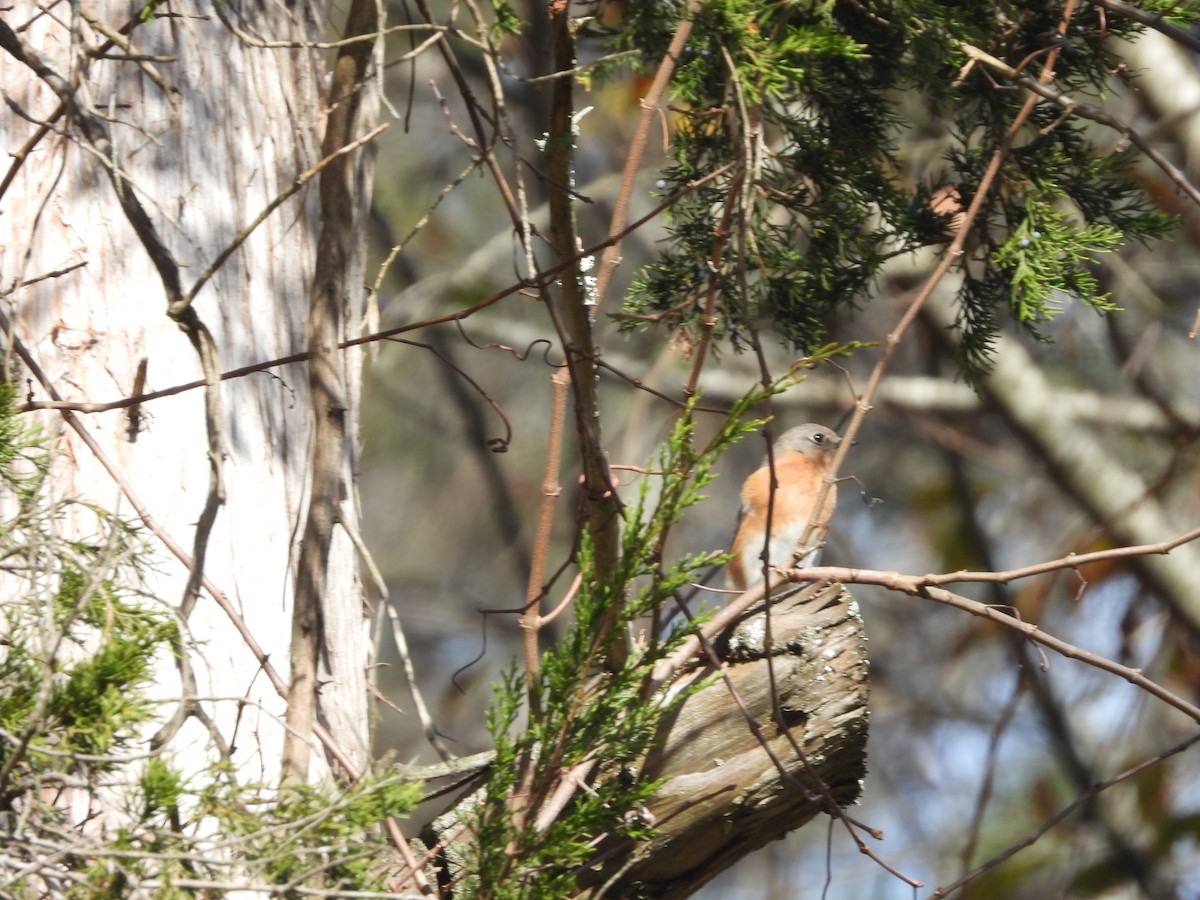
<point>98,137</point>
<point>173,547</point>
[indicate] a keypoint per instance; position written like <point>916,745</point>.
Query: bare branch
<point>546,277</point>
<point>814,532</point>
<point>531,620</point>
<point>1074,806</point>
<point>926,586</point>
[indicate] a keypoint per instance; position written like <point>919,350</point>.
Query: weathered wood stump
<point>723,795</point>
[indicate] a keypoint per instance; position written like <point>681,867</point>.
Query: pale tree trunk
<point>207,127</point>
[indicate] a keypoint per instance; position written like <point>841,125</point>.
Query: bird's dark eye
<point>818,438</point>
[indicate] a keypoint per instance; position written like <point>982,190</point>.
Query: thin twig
<point>990,767</point>
<point>637,149</point>
<point>926,586</point>
<point>1070,561</point>
<point>138,17</point>
<point>57,273</point>
<point>416,229</point>
<point>1078,803</point>
<point>116,38</point>
<point>484,31</point>
<point>251,41</point>
<point>531,620</point>
<point>738,605</point>
<point>483,143</point>
<point>401,642</point>
<point>1151,20</point>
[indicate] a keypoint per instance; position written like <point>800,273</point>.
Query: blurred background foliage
<point>1080,436</point>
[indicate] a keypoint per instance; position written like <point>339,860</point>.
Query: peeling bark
<point>213,137</point>
<point>723,796</point>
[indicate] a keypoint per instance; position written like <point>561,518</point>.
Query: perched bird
<point>803,456</point>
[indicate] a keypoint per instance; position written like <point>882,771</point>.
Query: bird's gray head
<point>811,440</point>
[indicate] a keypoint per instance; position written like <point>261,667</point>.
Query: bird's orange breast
<point>799,482</point>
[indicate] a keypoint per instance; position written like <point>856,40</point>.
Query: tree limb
<point>342,204</point>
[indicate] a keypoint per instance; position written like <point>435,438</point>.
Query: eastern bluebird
<point>802,459</point>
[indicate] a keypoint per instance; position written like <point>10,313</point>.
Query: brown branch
<point>926,586</point>
<point>57,273</point>
<point>740,604</point>
<point>568,783</point>
<point>483,144</point>
<point>545,277</point>
<point>637,149</point>
<point>1071,561</point>
<point>734,609</point>
<point>531,621</point>
<point>400,842</point>
<point>117,39</point>
<point>720,238</point>
<point>738,197</point>
<point>46,127</point>
<point>300,181</point>
<point>565,602</point>
<point>577,312</point>
<point>1151,20</point>
<point>251,41</point>
<point>342,200</point>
